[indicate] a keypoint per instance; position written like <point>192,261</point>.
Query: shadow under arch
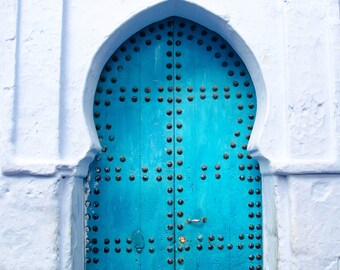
<point>156,13</point>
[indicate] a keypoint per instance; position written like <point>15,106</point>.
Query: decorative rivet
<point>170,261</point>
<point>180,202</point>
<point>170,202</point>
<point>180,214</point>
<point>179,176</point>
<point>180,189</point>
<point>217,175</point>
<point>179,111</point>
<point>179,139</point>
<point>190,98</point>
<point>225,156</point>
<point>199,247</point>
<point>203,176</point>
<point>210,247</point>
<point>180,227</point>
<point>204,167</point>
<point>169,126</point>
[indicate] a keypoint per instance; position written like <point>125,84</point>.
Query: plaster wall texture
<point>51,54</point>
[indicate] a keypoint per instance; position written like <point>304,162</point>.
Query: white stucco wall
<point>51,53</point>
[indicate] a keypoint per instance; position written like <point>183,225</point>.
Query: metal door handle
<point>203,219</point>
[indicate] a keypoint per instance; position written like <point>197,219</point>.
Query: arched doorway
<point>174,185</point>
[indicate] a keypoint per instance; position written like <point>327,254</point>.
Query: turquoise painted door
<point>174,186</point>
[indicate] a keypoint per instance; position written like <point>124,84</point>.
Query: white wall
<point>51,56</point>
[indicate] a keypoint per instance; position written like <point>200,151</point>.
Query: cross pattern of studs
<point>175,95</point>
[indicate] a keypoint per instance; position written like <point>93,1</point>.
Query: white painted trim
<point>202,16</point>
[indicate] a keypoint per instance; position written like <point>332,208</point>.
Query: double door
<point>174,186</point>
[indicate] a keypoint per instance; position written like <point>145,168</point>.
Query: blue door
<point>174,186</point>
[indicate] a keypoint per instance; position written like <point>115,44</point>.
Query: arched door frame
<point>221,26</point>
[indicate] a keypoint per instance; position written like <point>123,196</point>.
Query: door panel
<point>174,185</point>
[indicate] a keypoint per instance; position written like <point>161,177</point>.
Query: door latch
<point>203,220</point>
